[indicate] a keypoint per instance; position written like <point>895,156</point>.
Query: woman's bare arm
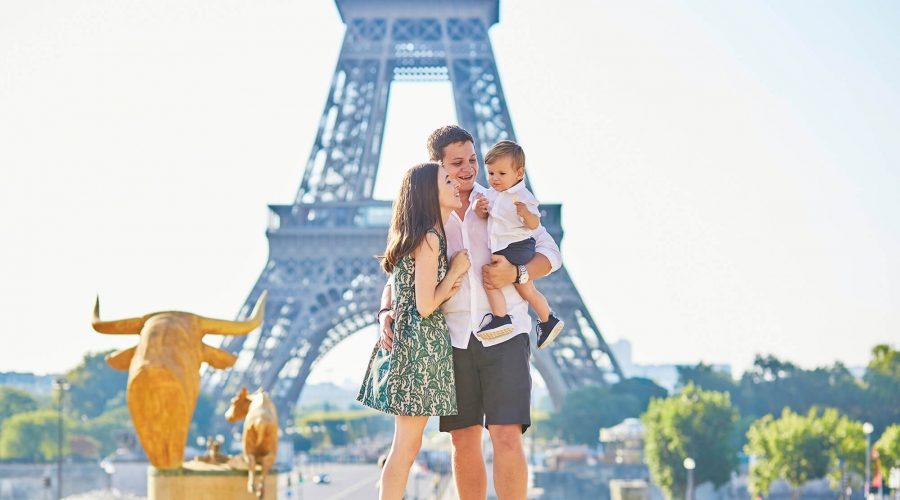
<point>429,293</point>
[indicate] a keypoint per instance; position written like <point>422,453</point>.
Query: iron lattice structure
<point>324,285</point>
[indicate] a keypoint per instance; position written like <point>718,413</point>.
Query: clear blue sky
<point>729,171</point>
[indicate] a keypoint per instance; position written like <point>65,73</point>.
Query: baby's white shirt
<point>504,224</point>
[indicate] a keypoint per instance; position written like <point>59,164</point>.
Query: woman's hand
<point>459,264</point>
<point>455,288</point>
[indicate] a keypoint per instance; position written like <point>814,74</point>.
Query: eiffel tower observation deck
<point>323,282</point>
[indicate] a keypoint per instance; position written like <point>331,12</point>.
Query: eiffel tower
<point>324,285</point>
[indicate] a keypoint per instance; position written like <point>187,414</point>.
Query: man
<point>493,380</point>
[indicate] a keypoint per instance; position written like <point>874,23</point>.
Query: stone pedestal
<point>208,482</point>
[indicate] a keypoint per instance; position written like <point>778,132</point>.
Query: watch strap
<point>521,272</point>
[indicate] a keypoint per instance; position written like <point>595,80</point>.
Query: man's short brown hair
<point>506,149</point>
<point>445,136</point>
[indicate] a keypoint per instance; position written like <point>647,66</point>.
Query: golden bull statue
<point>164,372</point>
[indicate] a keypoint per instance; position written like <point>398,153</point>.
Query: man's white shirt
<point>504,225</point>
<point>465,310</point>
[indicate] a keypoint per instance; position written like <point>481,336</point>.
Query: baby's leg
<point>500,324</point>
<point>497,301</point>
<point>535,299</point>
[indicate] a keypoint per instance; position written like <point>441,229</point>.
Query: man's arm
<point>500,272</point>
<point>547,259</point>
<point>545,245</point>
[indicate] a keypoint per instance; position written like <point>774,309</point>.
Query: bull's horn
<point>224,327</point>
<point>122,326</point>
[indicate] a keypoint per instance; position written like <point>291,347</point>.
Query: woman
<point>415,379</point>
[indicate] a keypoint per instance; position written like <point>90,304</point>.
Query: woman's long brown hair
<point>416,210</point>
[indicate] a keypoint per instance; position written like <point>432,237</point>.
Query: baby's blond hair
<point>506,149</point>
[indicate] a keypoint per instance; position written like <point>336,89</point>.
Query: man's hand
<point>481,206</point>
<point>498,273</point>
<point>387,330</point>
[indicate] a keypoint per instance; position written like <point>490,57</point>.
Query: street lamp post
<point>689,464</point>
<point>110,469</point>
<point>868,429</point>
<point>62,385</point>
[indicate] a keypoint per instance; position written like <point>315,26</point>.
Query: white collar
<point>517,187</point>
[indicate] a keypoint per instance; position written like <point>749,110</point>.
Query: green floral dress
<point>416,377</point>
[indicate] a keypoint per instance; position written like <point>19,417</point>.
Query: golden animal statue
<point>260,436</point>
<point>164,372</point>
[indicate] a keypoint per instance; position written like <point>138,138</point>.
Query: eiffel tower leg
<point>480,104</point>
<point>580,354</point>
<point>344,158</point>
<point>215,382</point>
<point>322,288</point>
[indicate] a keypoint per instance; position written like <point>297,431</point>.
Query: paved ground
<point>356,482</point>
<point>348,482</point>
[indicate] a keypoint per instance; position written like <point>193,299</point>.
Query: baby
<point>512,213</point>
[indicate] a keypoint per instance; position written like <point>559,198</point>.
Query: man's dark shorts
<point>493,384</point>
<point>519,252</point>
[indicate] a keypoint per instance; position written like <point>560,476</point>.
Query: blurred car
<point>321,479</point>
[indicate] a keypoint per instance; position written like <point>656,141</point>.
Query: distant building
<point>29,382</point>
<point>580,473</point>
<point>663,375</point>
<point>622,352</point>
<point>575,473</point>
<point>623,443</point>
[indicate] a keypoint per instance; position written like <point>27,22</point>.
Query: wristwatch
<point>521,275</point>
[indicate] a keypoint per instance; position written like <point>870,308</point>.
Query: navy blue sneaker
<point>548,330</point>
<point>497,327</point>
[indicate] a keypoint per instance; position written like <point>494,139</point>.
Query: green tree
<point>795,448</point>
<point>84,447</point>
<point>14,401</point>
<point>32,436</point>
<point>888,446</point>
<point>301,442</point>
<point>848,446</point>
<point>588,409</point>
<point>337,431</point>
<point>695,424</point>
<point>704,377</point>
<point>643,389</point>
<point>103,428</point>
<point>773,385</point>
<point>883,380</point>
<point>321,429</point>
<point>203,421</point>
<point>93,384</point>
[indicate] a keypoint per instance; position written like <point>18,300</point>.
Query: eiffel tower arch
<point>324,285</point>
